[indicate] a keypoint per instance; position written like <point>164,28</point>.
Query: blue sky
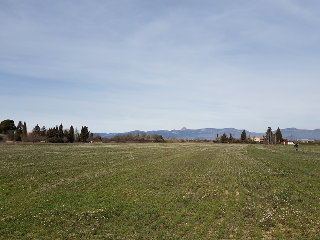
<point>123,65</point>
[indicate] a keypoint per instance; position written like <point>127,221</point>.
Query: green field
<point>159,191</point>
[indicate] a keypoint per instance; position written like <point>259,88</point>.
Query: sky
<point>117,66</point>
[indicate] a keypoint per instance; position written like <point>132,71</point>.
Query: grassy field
<point>159,191</point>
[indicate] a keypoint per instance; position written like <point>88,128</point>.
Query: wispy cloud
<point>124,65</point>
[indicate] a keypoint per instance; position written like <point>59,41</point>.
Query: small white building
<point>257,139</point>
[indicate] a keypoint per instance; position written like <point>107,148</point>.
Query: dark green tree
<point>43,131</point>
<point>65,134</point>
<point>243,135</point>
<point>19,128</point>
<point>18,132</point>
<point>231,139</point>
<point>51,132</point>
<point>71,134</point>
<point>24,129</point>
<point>84,135</point>
<point>279,135</point>
<point>224,138</point>
<point>36,129</point>
<point>270,137</point>
<point>157,138</point>
<point>53,135</point>
<point>60,131</point>
<point>7,125</point>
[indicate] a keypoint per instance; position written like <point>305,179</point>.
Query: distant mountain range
<point>211,133</point>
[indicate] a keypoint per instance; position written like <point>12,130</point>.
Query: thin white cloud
<point>155,65</point>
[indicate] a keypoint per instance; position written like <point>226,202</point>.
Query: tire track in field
<point>230,174</point>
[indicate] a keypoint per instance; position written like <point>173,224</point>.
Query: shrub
<point>55,140</point>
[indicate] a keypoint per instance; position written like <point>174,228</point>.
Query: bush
<point>17,138</point>
<point>55,140</point>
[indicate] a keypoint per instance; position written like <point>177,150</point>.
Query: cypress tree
<point>243,135</point>
<point>71,134</point>
<point>279,135</point>
<point>43,131</point>
<point>18,133</point>
<point>84,135</point>
<point>269,136</point>
<point>19,128</point>
<point>231,138</point>
<point>24,129</point>
<point>60,131</point>
<point>224,138</point>
<point>36,129</point>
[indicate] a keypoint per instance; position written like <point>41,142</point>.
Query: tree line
<point>273,138</point>
<point>140,137</point>
<point>57,134</point>
<point>268,138</point>
<point>225,139</point>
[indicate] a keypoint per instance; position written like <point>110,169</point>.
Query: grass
<point>159,191</point>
